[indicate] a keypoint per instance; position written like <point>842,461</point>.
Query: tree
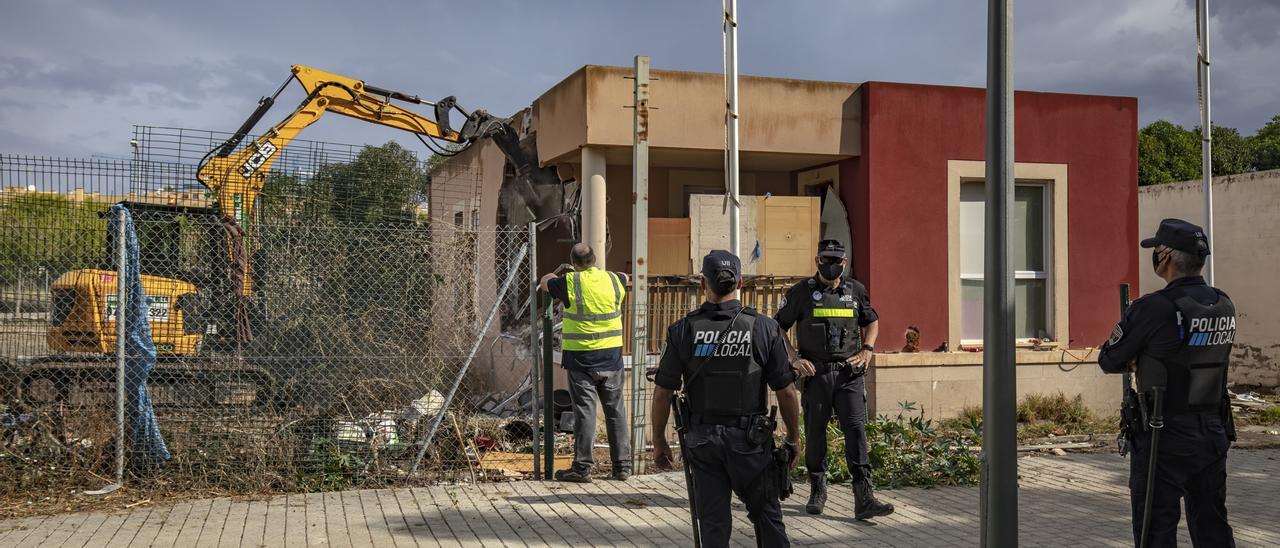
<point>382,184</point>
<point>1264,147</point>
<point>47,230</point>
<point>1230,151</point>
<point>1167,153</point>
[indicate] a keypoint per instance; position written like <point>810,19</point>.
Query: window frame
<point>1053,177</point>
<point>1046,250</point>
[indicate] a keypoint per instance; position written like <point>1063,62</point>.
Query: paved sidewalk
<point>1078,500</point>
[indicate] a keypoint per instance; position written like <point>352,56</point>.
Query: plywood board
<point>709,229</point>
<point>789,228</point>
<point>669,247</point>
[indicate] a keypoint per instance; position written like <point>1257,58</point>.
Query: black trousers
<point>724,461</point>
<point>1191,465</point>
<point>843,393</point>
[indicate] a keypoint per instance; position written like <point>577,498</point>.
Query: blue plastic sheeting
<point>147,444</point>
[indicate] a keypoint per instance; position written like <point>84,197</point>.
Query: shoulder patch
<point>812,282</point>
<point>1116,335</point>
<point>783,302</point>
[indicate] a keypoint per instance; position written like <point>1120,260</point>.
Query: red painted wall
<point>898,210</point>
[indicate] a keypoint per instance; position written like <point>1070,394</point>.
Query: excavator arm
<point>237,179</point>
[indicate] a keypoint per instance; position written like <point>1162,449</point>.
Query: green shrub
<point>908,450</point>
<point>1270,415</point>
<point>1056,408</point>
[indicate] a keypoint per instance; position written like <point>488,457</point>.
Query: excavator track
<point>194,383</point>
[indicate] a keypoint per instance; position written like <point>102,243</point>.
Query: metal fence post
<point>122,295</point>
<point>534,351</point>
<point>122,301</point>
<point>548,388</point>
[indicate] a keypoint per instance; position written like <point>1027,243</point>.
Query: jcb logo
<point>265,150</point>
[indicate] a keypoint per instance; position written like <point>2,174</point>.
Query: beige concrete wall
<point>944,383</point>
<point>497,366</point>
<point>1246,256</point>
<point>778,115</point>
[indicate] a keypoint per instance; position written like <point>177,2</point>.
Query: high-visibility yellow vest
<point>593,318</point>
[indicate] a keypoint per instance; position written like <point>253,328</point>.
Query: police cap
<point>719,261</point>
<point>831,248</point>
<point>1180,235</point>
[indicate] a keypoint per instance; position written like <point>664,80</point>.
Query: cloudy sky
<point>75,75</point>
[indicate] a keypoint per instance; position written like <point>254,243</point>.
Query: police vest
<point>828,328</point>
<point>730,383</point>
<point>1197,375</point>
<point>593,318</point>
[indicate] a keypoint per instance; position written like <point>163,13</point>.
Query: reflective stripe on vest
<point>832,312</point>
<point>593,318</point>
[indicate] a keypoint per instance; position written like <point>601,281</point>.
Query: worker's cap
<point>719,261</point>
<point>831,248</point>
<point>1180,235</point>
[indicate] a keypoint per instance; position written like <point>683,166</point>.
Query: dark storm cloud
<point>75,75</point>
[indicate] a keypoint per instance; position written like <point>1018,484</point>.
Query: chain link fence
<point>348,336</point>
<point>364,328</point>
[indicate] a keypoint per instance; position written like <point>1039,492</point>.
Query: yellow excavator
<point>82,321</point>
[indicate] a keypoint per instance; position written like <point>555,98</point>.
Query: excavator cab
<point>180,252</point>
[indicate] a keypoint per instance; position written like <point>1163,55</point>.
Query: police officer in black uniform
<point>836,329</point>
<point>725,355</point>
<point>1177,340</point>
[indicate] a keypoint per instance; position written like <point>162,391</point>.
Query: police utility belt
<point>842,366</point>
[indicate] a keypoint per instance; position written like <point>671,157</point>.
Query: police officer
<point>1178,340</point>
<point>725,355</point>
<point>592,341</point>
<point>836,330</point>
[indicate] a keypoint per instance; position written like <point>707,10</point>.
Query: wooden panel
<point>669,247</point>
<point>710,229</point>
<point>789,228</point>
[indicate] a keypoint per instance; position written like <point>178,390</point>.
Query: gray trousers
<point>585,389</point>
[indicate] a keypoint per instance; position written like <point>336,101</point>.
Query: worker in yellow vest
<point>591,337</point>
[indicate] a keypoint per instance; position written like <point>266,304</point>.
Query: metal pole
<point>639,261</point>
<point>457,381</point>
<point>731,38</point>
<point>1206,129</point>
<point>999,494</point>
<point>534,353</point>
<point>548,388</point>
<point>1127,379</point>
<point>122,303</point>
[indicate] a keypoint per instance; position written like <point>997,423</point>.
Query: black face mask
<point>831,271</point>
<point>1155,260</point>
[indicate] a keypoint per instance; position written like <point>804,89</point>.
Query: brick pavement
<point>1078,500</point>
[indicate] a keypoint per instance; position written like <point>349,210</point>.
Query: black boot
<point>817,495</point>
<point>865,505</point>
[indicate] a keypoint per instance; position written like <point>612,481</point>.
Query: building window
<point>1031,235</point>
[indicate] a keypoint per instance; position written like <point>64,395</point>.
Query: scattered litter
<point>517,463</point>
<point>485,443</point>
<point>426,406</point>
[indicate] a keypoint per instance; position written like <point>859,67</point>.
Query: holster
<point>762,427</point>
<point>781,469</point>
<point>1132,420</point>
